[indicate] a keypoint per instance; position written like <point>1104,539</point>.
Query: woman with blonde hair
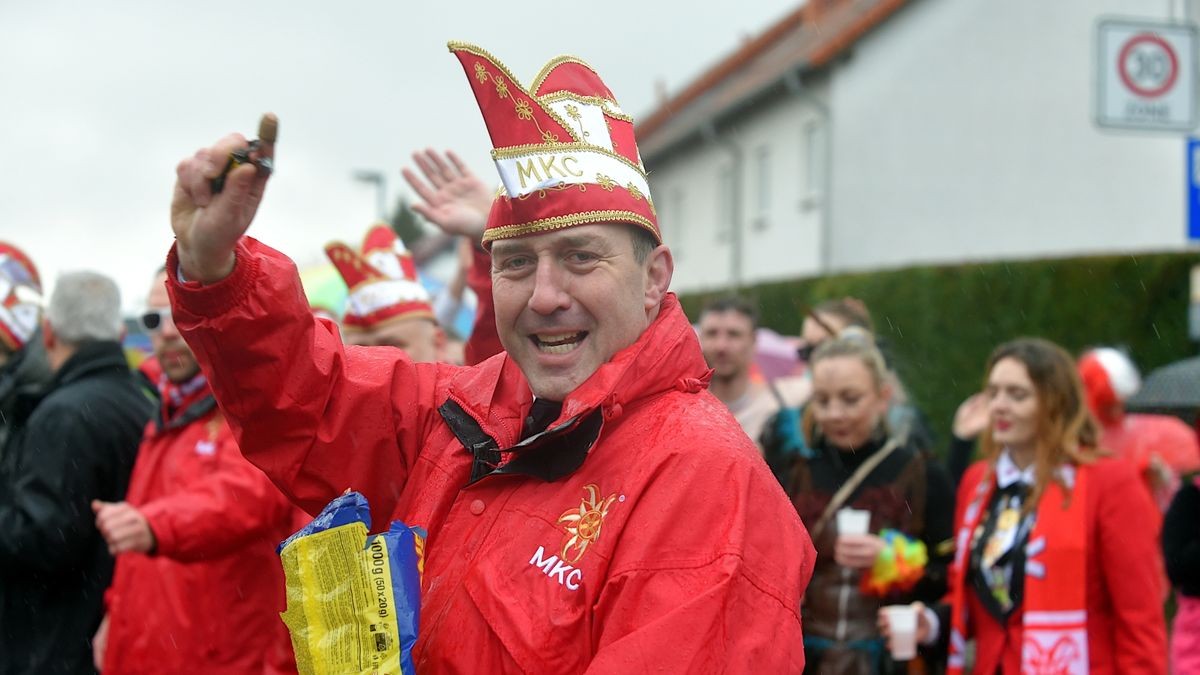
<point>855,468</point>
<point>1056,568</point>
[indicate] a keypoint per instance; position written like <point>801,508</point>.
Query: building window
<point>762,186</point>
<point>814,162</point>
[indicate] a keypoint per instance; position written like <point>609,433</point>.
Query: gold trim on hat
<point>558,60</point>
<point>342,251</point>
<point>557,96</point>
<point>571,220</point>
<point>549,137</point>
<point>366,235</point>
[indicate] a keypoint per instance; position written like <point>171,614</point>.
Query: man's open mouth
<point>558,344</point>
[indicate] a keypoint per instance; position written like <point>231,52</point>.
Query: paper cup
<point>853,521</point>
<point>902,620</point>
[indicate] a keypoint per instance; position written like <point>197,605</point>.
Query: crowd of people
<point>605,487</point>
<point>1049,529</point>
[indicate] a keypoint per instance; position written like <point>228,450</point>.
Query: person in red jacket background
<point>1057,566</point>
<point>1162,447</point>
<point>198,586</point>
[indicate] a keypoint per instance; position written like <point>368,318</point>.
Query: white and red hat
<point>382,281</point>
<point>1109,379</point>
<point>20,297</point>
<point>565,151</point>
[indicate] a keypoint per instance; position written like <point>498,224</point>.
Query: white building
<point>868,134</point>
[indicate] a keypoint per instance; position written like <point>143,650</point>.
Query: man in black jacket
<point>78,444</point>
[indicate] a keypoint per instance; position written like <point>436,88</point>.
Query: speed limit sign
<point>1146,75</point>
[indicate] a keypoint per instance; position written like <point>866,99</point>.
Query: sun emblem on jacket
<point>583,524</point>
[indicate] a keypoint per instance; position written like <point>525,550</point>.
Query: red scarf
<point>1054,605</point>
<point>179,398</point>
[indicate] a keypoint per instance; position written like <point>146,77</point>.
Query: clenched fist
<point>123,527</point>
<point>208,224</point>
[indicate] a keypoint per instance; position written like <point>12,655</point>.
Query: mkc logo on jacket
<point>582,526</point>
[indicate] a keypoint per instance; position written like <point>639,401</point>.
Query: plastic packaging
<point>353,600</point>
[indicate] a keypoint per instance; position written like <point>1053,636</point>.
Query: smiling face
<point>172,352</point>
<point>568,300</point>
<point>727,338</point>
<point>847,400</point>
<point>1012,405</point>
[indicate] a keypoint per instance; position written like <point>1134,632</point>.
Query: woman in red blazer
<point>1057,568</point>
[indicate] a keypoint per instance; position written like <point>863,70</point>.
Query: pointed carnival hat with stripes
<point>382,281</point>
<point>565,151</point>
<point>20,297</point>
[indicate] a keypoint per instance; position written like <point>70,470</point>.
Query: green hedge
<point>940,323</point>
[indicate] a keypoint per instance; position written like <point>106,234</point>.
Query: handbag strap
<point>852,483</point>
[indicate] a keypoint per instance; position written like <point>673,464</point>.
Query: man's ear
<point>659,268</point>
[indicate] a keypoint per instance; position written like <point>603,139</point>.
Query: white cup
<point>902,621</point>
<point>853,521</point>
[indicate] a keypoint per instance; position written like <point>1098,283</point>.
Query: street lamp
<point>380,181</point>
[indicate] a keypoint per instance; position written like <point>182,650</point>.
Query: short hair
<point>732,303</point>
<point>644,243</point>
<point>85,307</point>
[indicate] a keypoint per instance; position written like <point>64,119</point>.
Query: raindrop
<point>1156,333</point>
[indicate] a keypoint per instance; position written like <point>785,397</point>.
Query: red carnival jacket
<point>208,600</point>
<point>641,532</point>
<point>1125,626</point>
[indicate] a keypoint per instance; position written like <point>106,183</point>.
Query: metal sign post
<point>1146,75</point>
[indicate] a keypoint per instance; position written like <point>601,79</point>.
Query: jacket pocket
<point>535,602</point>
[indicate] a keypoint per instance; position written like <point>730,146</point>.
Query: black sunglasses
<point>152,319</point>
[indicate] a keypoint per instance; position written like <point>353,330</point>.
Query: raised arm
<point>316,417</point>
<point>454,199</point>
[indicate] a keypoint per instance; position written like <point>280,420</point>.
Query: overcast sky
<point>99,102</point>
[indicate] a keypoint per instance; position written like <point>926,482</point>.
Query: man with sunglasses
<point>195,537</point>
<point>77,445</point>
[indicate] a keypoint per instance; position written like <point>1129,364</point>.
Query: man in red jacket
<point>590,507</point>
<point>198,587</point>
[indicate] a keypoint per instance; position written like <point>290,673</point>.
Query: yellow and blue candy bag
<point>353,601</point>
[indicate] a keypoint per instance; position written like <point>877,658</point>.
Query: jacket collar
<point>90,358</point>
<point>487,404</point>
<point>666,357</point>
<point>182,403</point>
<point>1007,472</point>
